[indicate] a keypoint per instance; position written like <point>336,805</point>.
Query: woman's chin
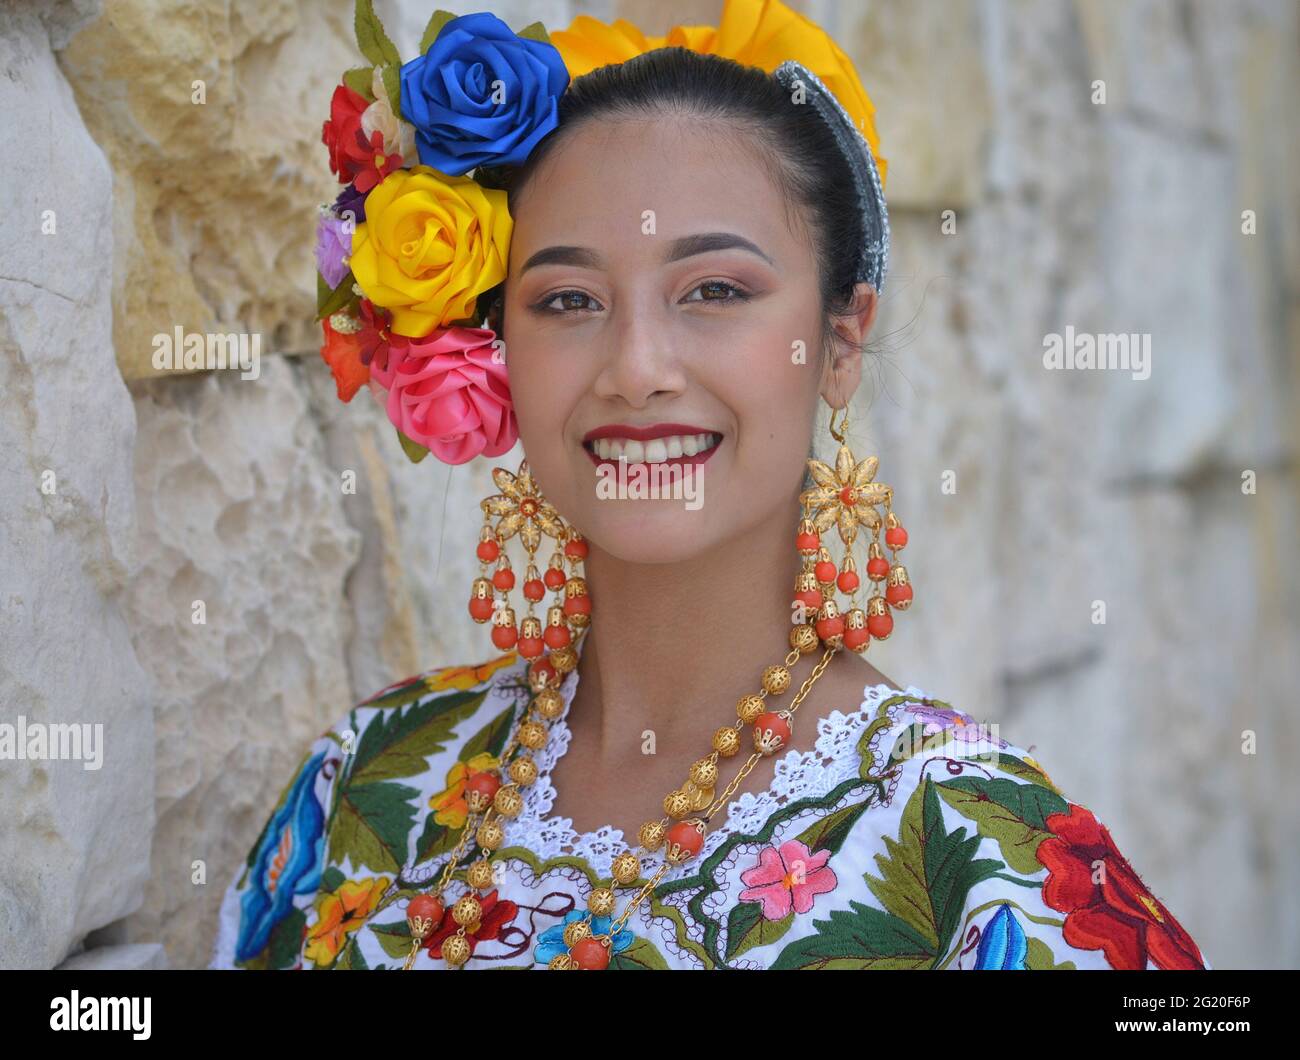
<point>647,531</point>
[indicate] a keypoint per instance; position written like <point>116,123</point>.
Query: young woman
<point>703,771</point>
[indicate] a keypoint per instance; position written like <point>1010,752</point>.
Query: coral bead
<point>829,627</point>
<point>504,579</point>
<point>531,647</point>
<point>856,639</point>
<point>576,547</point>
<point>504,637</point>
<point>810,598</point>
<point>557,636</point>
<point>577,605</point>
<point>877,568</point>
<point>590,955</point>
<point>771,733</point>
<point>425,907</point>
<point>896,537</point>
<point>899,596</point>
<point>685,840</point>
<point>541,674</point>
<point>534,589</point>
<point>881,625</point>
<point>554,578</point>
<point>848,581</point>
<point>807,542</point>
<point>480,789</point>
<point>480,608</point>
<point>825,571</point>
<point>488,551</point>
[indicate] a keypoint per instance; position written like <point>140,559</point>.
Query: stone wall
<point>128,505</point>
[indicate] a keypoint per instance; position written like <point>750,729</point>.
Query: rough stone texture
<point>74,843</point>
<point>1071,487</point>
<point>138,957</point>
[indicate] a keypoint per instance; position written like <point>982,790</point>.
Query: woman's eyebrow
<point>682,247</point>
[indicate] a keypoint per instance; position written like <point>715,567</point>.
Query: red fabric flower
<point>376,165</point>
<point>497,914</point>
<point>1118,915</point>
<point>350,355</point>
<point>342,135</point>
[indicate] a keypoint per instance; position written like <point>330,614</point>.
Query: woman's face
<point>655,278</point>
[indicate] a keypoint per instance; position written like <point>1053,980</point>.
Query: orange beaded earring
<point>524,511</point>
<point>847,497</point>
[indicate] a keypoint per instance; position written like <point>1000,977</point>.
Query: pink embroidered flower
<point>446,392</point>
<point>787,878</point>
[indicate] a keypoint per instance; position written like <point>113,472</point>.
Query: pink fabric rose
<point>787,879</point>
<point>446,393</point>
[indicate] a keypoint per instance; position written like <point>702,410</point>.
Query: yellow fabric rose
<point>430,244</point>
<point>762,33</point>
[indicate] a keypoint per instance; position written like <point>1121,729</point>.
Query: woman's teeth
<point>656,450</point>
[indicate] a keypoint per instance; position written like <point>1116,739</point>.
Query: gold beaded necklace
<point>490,802</point>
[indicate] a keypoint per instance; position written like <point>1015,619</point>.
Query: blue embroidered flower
<point>481,95</point>
<point>288,862</point>
<point>1002,946</point>
<point>550,943</point>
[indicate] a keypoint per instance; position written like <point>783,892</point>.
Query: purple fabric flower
<point>333,245</point>
<point>351,200</point>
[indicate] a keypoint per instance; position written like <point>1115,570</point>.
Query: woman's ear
<point>844,364</point>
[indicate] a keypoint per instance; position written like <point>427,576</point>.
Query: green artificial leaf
<point>413,450</point>
<point>1012,813</point>
<point>436,21</point>
<point>393,86</point>
<point>371,38</point>
<point>360,79</point>
<point>747,928</point>
<point>371,824</point>
<point>341,297</point>
<point>928,871</point>
<point>397,743</point>
<point>640,956</point>
<point>861,937</point>
<point>535,31</point>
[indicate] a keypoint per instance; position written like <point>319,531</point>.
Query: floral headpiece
<point>419,234</point>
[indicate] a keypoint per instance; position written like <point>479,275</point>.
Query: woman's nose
<point>641,358</point>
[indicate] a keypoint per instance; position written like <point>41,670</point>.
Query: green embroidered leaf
<point>861,937</point>
<point>927,873</point>
<point>359,79</point>
<point>913,740</point>
<point>436,21</point>
<point>371,38</point>
<point>414,451</point>
<point>331,879</point>
<point>286,940</point>
<point>393,86</point>
<point>407,692</point>
<point>535,31</point>
<point>829,832</point>
<point>1012,813</point>
<point>339,298</point>
<point>371,826</point>
<point>398,743</point>
<point>395,938</point>
<point>1017,767</point>
<point>747,928</point>
<point>1039,958</point>
<point>491,738</point>
<point>640,956</point>
<point>351,959</point>
<point>436,840</point>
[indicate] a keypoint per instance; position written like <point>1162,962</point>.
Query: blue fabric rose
<point>1002,946</point>
<point>288,862</point>
<point>448,95</point>
<point>550,943</point>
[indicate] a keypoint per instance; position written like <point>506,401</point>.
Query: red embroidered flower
<point>787,879</point>
<point>1117,915</point>
<point>341,134</point>
<point>496,915</point>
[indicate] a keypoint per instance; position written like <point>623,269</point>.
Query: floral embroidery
<point>1116,913</point>
<point>466,677</point>
<point>497,913</point>
<point>787,878</point>
<point>1003,945</point>
<point>339,914</point>
<point>452,809</point>
<point>550,943</point>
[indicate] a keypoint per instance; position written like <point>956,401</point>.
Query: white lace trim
<point>799,774</point>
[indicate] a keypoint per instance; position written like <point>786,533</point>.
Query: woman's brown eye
<point>569,301</point>
<point>721,291</point>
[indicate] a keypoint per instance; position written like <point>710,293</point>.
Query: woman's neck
<point>678,641</point>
